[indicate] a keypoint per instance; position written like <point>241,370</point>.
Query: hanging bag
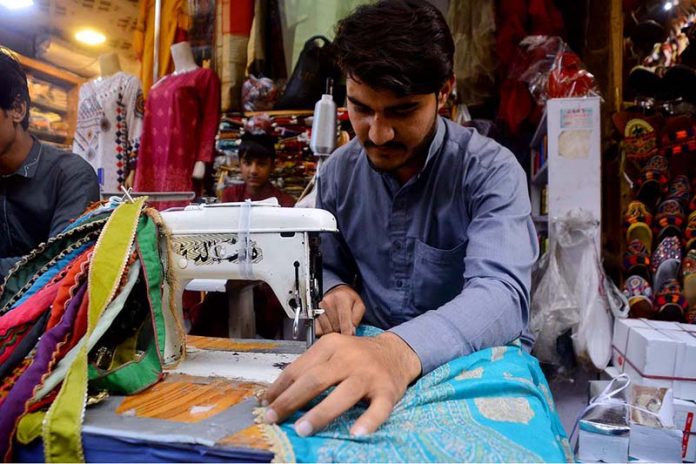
<point>315,65</point>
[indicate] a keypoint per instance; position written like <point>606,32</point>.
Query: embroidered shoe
<point>666,261</point>
<point>637,260</point>
<point>639,294</point>
<point>669,221</point>
<point>670,304</point>
<point>653,181</point>
<point>689,274</point>
<point>690,232</point>
<point>680,190</point>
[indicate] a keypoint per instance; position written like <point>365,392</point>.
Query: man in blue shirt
<point>436,241</point>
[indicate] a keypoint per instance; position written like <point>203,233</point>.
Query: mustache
<point>389,145</point>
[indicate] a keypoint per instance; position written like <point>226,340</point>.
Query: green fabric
<point>63,423</point>
<point>147,240</point>
<point>131,377</point>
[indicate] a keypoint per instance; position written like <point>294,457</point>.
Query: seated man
<point>41,188</point>
<point>256,162</point>
<point>436,242</point>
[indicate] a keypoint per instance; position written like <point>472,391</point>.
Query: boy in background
<point>257,162</point>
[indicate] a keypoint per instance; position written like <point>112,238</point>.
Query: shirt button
<point>397,245</point>
<point>399,283</point>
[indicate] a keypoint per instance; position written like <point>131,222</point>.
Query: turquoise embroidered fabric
<point>490,406</point>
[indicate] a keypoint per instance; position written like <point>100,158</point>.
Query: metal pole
<point>155,61</point>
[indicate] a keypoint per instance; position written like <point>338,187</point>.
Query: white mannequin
<point>183,58</point>
<point>184,62</point>
<point>109,64</point>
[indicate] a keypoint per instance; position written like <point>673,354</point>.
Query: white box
<point>684,412</point>
<point>657,354</point>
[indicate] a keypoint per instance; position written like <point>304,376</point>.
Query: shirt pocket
<point>438,275</point>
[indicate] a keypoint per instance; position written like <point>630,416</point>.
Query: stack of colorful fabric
<point>79,316</point>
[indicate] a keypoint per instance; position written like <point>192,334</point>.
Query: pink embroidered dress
<point>181,120</point>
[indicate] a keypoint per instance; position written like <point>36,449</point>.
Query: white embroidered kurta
<point>109,126</point>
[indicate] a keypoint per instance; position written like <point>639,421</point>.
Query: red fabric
<point>237,193</point>
<point>31,309</point>
<point>68,286</point>
<point>181,121</point>
<point>238,22</point>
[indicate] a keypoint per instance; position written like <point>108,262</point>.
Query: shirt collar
<point>31,162</point>
<point>437,140</point>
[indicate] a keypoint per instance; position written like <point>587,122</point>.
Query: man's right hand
<point>343,311</point>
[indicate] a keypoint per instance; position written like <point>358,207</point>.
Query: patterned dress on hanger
<point>109,126</point>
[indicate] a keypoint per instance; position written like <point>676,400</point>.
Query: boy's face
<point>256,171</point>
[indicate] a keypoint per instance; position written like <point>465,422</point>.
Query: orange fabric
<point>75,274</point>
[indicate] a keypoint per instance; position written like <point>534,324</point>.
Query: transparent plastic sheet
<point>551,69</point>
<point>259,94</point>
<point>572,292</point>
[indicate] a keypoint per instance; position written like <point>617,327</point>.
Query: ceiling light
<point>90,37</point>
<point>667,6</point>
<point>16,4</point>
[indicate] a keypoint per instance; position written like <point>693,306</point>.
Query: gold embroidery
<point>473,374</point>
<point>505,409</point>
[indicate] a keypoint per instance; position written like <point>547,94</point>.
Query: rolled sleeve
<point>493,307</point>
<point>339,265</point>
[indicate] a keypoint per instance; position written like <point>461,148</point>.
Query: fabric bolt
<point>15,403</point>
<point>237,193</point>
<point>448,253</point>
<point>40,199</point>
<point>181,121</point>
<point>493,405</point>
<point>109,126</point>
<point>233,26</point>
<point>174,22</point>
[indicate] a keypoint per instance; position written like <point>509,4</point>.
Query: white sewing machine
<point>249,241</point>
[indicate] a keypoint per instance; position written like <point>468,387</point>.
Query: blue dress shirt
<point>444,261</point>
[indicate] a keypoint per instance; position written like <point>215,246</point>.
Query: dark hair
<point>400,45</point>
<point>13,84</point>
<point>257,146</point>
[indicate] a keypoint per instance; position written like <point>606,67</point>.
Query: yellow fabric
<point>174,16</point>
<point>29,428</point>
<point>62,425</point>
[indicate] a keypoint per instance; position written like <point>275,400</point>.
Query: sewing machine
<point>248,241</point>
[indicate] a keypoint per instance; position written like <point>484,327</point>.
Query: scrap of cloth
<point>493,405</point>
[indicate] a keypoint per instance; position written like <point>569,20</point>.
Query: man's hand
<point>343,311</point>
<point>376,369</point>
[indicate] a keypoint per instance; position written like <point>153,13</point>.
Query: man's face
<point>8,130</point>
<point>256,171</point>
<point>395,131</point>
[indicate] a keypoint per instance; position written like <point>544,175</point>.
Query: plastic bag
<point>574,293</point>
<point>259,94</point>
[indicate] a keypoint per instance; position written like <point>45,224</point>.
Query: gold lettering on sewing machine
<point>213,248</point>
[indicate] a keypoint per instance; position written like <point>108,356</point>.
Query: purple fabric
<point>13,406</point>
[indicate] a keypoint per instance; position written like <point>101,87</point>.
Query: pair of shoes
<point>669,304</point>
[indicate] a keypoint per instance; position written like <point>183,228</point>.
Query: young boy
<point>257,162</point>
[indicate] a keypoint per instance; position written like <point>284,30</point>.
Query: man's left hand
<point>377,369</point>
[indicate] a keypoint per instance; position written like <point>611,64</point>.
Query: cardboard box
<point>653,434</point>
<point>657,354</point>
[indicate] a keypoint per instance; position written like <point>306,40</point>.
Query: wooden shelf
<point>48,107</point>
<point>50,136</point>
<point>60,78</point>
<point>542,176</point>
